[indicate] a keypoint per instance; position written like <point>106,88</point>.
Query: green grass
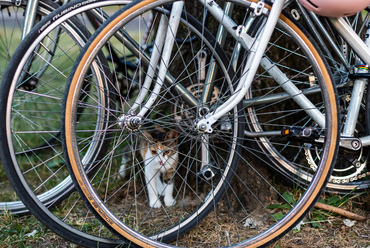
<point>26,231</point>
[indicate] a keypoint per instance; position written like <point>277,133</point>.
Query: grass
<point>26,231</point>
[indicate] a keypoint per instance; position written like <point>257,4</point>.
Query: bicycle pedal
<point>307,134</point>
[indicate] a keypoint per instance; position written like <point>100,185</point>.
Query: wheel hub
<point>131,122</point>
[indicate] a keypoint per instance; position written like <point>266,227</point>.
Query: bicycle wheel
<point>31,116</point>
<point>172,114</point>
<point>351,171</point>
<point>211,194</point>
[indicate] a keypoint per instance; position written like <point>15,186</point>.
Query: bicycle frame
<point>256,47</point>
<point>30,16</point>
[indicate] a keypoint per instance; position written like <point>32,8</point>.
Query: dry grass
<point>14,230</point>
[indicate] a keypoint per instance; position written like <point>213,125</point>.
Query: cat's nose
<point>160,162</point>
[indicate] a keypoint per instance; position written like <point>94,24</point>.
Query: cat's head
<point>162,145</point>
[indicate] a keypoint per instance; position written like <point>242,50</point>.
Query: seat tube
<point>29,16</point>
<point>357,93</point>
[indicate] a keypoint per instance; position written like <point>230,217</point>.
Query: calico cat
<point>159,152</point>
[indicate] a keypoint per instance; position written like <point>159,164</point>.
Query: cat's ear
<point>171,135</point>
<point>158,128</point>
<point>148,136</point>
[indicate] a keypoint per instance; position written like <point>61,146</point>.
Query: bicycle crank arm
<point>350,143</point>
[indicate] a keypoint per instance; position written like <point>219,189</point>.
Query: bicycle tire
<point>139,226</point>
<point>41,122</point>
<point>11,30</point>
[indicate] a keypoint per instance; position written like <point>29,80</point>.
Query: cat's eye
<point>154,152</point>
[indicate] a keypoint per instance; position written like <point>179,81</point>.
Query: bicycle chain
<point>337,181</point>
<point>313,166</point>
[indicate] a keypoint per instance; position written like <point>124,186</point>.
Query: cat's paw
<point>169,202</point>
<point>156,204</point>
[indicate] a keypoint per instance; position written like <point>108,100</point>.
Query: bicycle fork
<point>161,41</point>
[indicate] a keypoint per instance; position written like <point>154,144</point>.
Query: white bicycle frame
<point>256,48</point>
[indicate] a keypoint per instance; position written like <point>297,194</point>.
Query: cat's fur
<point>160,155</point>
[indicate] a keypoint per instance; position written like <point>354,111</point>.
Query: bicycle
<point>41,178</point>
<point>186,97</point>
<point>209,170</point>
<point>18,207</point>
